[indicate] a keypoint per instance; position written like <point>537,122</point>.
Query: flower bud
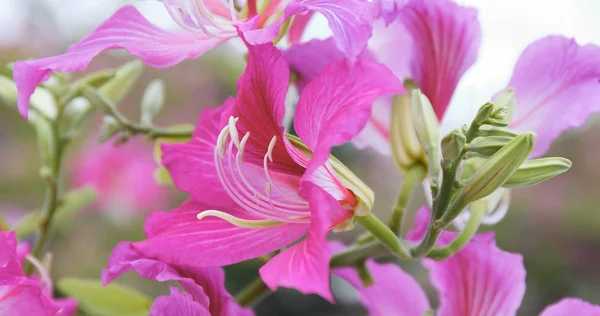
<point>109,128</point>
<point>494,172</point>
<point>427,128</point>
<point>506,99</point>
<point>534,171</point>
<point>483,113</point>
<point>406,148</point>
<point>152,101</point>
<point>452,145</point>
<point>486,146</point>
<point>489,130</point>
<point>125,77</point>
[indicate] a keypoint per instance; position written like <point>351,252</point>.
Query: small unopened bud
<point>486,146</point>
<point>427,128</point>
<point>483,114</point>
<point>109,128</point>
<point>152,101</point>
<point>8,91</point>
<point>499,117</point>
<point>498,169</point>
<point>534,171</point>
<point>406,147</point>
<point>125,77</point>
<point>506,99</point>
<point>489,130</point>
<point>452,145</point>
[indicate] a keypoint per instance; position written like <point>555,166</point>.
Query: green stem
<point>477,210</point>
<point>383,233</point>
<point>356,254</point>
<point>252,293</point>
<point>414,176</point>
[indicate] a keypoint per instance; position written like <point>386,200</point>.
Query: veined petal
<point>556,83</point>
<point>25,297</point>
<point>10,264</point>
<point>305,266</point>
<point>479,280</point>
<point>298,26</point>
<point>571,306</point>
<point>394,292</point>
<point>178,237</point>
<point>177,303</point>
<point>446,38</point>
<point>126,29</point>
<point>388,9</point>
<point>336,105</point>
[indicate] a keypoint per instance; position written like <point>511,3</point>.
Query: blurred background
<point>555,225</point>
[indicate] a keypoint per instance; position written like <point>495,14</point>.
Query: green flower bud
<point>489,130</point>
<point>125,77</point>
<point>506,99</point>
<point>534,171</point>
<point>486,146</point>
<point>406,148</point>
<point>152,101</point>
<point>427,128</point>
<point>498,169</point>
<point>109,128</point>
<point>499,117</point>
<point>452,145</point>
<point>483,113</point>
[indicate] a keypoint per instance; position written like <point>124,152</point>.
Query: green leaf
<point>111,300</point>
<point>72,203</point>
<point>162,176</point>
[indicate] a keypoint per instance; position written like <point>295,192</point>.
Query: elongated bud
<point>406,147</point>
<point>498,169</point>
<point>489,130</point>
<point>152,101</point>
<point>453,144</point>
<point>427,128</point>
<point>534,171</point>
<point>8,91</point>
<point>506,99</point>
<point>486,146</point>
<point>483,113</point>
<point>109,128</point>
<point>499,117</point>
<point>125,77</point>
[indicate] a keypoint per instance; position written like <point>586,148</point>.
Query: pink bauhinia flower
<point>122,176</point>
<point>257,189</point>
<point>434,42</point>
<point>479,280</point>
<point>203,24</point>
<point>205,287</point>
<point>26,295</point>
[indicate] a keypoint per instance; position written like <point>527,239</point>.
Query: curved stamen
<point>232,11</point>
<point>44,275</point>
<point>240,222</point>
<point>269,156</point>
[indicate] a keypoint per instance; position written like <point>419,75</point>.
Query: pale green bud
<point>484,112</point>
<point>8,91</point>
<point>427,128</point>
<point>406,147</point>
<point>152,101</point>
<point>506,99</point>
<point>125,77</point>
<point>489,130</point>
<point>452,145</point>
<point>109,128</point>
<point>499,117</point>
<point>98,100</point>
<point>534,171</point>
<point>498,169</point>
<point>486,146</point>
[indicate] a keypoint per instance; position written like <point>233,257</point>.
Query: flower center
<point>214,18</point>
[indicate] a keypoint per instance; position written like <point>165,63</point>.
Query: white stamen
<point>44,276</point>
<point>240,154</point>
<point>233,132</point>
<point>270,149</point>
<point>232,11</point>
<point>240,222</point>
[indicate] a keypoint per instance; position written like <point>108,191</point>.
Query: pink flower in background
<point>203,25</point>
<point>123,176</point>
<point>205,287</point>
<point>254,189</point>
<point>435,41</point>
<point>479,280</point>
<point>26,295</point>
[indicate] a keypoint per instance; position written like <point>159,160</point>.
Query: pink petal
<point>479,280</point>
<point>446,38</point>
<point>178,237</point>
<point>556,84</point>
<point>126,29</point>
<point>335,106</point>
<point>298,26</point>
<point>571,306</point>
<point>177,303</point>
<point>349,20</point>
<point>395,292</point>
<point>10,263</point>
<point>388,9</point>
<point>305,266</point>
<point>25,297</point>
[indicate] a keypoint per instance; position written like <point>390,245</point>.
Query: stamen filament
<point>240,222</point>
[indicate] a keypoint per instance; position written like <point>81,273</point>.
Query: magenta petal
<point>178,237</point>
<point>10,261</point>
<point>479,280</point>
<point>305,266</point>
<point>336,105</point>
<point>446,38</point>
<point>177,303</point>
<point>25,297</point>
<point>388,9</point>
<point>556,84</point>
<point>298,26</point>
<point>571,306</point>
<point>126,29</point>
<point>395,292</point>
